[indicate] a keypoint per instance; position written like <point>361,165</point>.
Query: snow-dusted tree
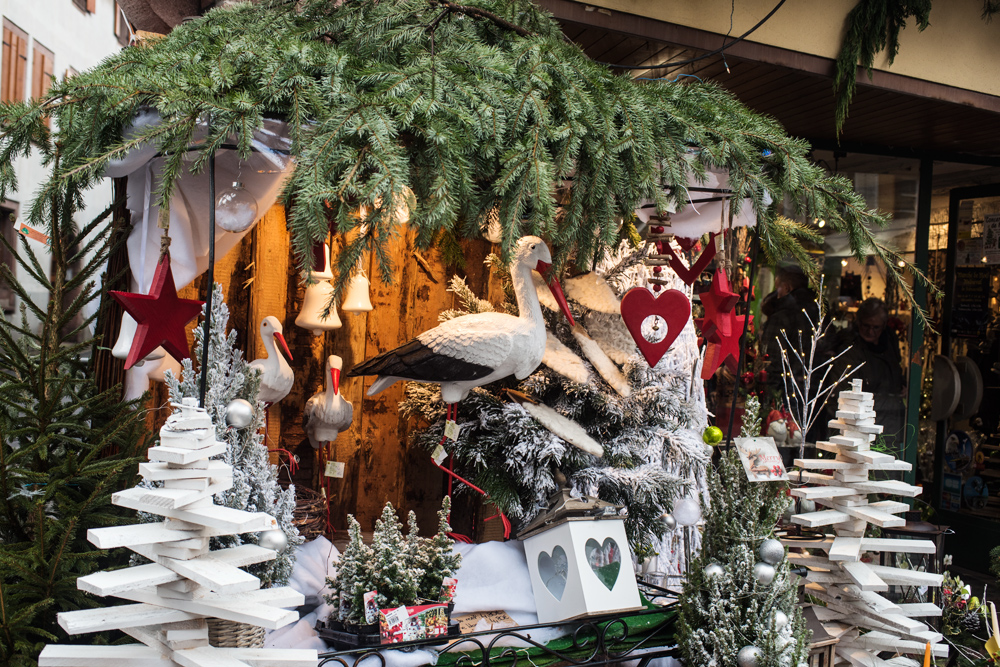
<point>255,481</point>
<point>392,573</point>
<point>354,577</point>
<point>723,613</point>
<point>648,420</point>
<point>434,558</point>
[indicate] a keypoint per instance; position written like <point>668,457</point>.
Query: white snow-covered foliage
<point>255,481</point>
<point>651,438</point>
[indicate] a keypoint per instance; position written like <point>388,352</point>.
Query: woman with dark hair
<point>876,347</point>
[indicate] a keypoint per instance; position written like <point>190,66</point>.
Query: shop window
<point>7,217</point>
<point>89,6</point>
<point>14,63</point>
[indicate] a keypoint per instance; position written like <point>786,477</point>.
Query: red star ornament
<point>726,349</point>
<point>718,302</point>
<point>160,316</point>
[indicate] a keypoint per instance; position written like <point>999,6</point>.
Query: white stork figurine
<point>327,413</point>
<point>276,375</point>
<point>474,350</point>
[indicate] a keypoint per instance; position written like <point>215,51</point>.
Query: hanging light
<point>843,262</point>
<point>235,209</point>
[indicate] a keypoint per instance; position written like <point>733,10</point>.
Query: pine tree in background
<point>353,578</point>
<point>651,438</point>
<point>394,577</point>
<point>255,481</point>
<point>434,558</point>
<point>724,613</point>
<point>65,445</point>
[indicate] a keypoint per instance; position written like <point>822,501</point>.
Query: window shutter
<point>13,69</point>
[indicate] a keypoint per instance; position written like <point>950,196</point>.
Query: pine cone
<point>971,621</point>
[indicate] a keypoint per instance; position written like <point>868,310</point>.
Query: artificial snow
<point>602,363</point>
<point>564,361</point>
<point>593,292</point>
<point>494,576</point>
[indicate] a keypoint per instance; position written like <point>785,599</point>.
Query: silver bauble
<point>668,522</point>
<point>276,540</point>
<point>687,511</point>
<point>806,506</point>
<point>780,619</point>
<point>763,573</point>
<point>748,656</point>
<point>771,551</point>
<point>239,413</point>
<point>713,570</point>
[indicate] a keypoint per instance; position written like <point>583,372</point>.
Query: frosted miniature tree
<point>725,612</point>
<point>435,557</point>
<point>394,577</point>
<point>648,420</point>
<point>354,577</point>
<point>255,481</point>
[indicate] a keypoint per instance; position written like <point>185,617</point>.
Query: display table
<point>601,640</point>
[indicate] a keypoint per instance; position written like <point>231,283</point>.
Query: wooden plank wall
<point>259,279</point>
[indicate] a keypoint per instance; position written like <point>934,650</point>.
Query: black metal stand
<point>598,640</point>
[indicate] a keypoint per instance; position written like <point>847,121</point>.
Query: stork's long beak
<point>556,289</point>
<point>284,345</point>
<point>335,377</point>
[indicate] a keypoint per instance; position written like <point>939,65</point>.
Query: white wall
<point>78,40</point>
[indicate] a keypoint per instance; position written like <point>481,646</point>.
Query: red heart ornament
<point>672,305</point>
<point>688,274</point>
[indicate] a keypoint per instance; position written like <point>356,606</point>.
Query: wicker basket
<point>229,634</point>
<point>310,512</point>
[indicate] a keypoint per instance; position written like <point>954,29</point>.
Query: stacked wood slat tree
<point>838,577</point>
<point>186,583</point>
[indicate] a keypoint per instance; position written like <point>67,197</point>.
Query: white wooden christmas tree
<point>837,576</point>
<point>186,583</point>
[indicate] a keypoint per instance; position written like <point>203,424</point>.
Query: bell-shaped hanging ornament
<point>356,299</point>
<point>318,295</point>
<point>235,209</point>
<point>126,334</point>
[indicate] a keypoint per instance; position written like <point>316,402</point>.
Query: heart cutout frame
<point>605,560</point>
<point>553,570</point>
<point>639,303</point>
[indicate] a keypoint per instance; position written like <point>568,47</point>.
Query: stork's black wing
<point>416,361</point>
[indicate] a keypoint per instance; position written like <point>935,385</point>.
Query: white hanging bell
<point>126,335</point>
<point>356,299</point>
<point>317,296</point>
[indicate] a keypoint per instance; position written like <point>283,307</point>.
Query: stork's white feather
<point>544,293</point>
<point>564,361</point>
<point>563,427</point>
<point>610,333</point>
<point>602,364</point>
<point>593,292</point>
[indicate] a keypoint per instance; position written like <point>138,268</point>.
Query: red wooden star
<point>718,302</point>
<point>161,316</point>
<point>725,350</point>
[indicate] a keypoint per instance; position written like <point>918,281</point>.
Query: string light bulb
<point>843,262</point>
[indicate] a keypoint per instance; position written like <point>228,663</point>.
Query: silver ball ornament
<point>806,506</point>
<point>687,511</point>
<point>239,413</point>
<point>669,522</point>
<point>713,570</point>
<point>780,619</point>
<point>771,551</point>
<point>276,540</point>
<point>748,656</point>
<point>763,573</point>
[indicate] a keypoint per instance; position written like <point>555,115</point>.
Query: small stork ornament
<point>474,350</point>
<point>276,376</point>
<point>327,413</point>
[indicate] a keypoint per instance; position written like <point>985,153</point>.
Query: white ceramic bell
<point>318,295</point>
<point>124,343</point>
<point>356,299</point>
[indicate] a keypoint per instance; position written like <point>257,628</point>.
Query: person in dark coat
<point>876,346</point>
<point>786,311</point>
